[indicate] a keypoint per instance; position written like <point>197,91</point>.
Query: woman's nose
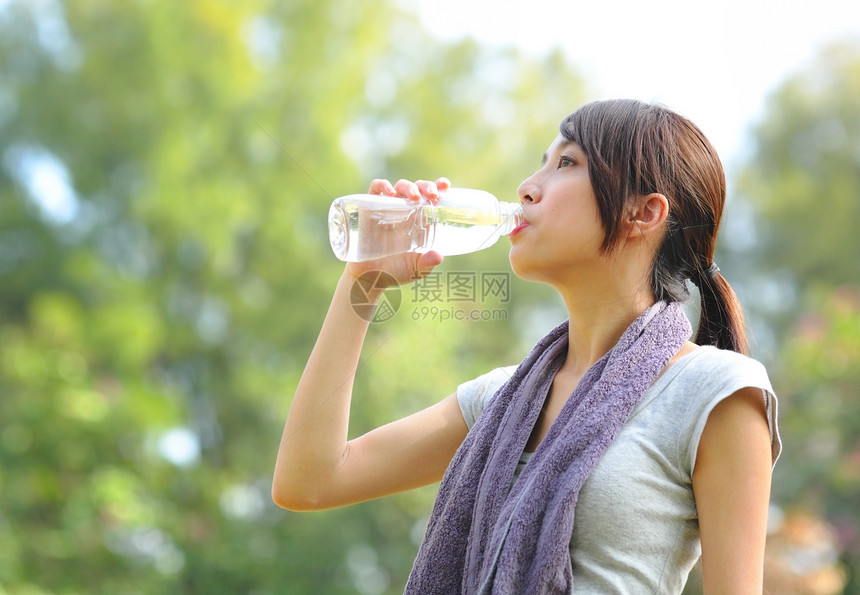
<point>529,191</point>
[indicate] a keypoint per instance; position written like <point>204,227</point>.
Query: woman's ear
<point>650,213</point>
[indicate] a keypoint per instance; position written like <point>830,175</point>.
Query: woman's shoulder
<point>709,366</point>
<point>473,395</point>
<point>700,380</point>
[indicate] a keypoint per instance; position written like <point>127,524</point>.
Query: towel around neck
<point>485,536</point>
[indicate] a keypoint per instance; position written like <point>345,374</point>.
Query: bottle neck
<point>510,217</point>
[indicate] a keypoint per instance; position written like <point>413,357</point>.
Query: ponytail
<point>721,321</point>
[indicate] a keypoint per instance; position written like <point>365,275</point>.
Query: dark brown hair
<point>635,149</point>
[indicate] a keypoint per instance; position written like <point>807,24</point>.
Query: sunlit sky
<point>714,62</point>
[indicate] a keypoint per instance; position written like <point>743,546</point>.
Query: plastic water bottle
<point>368,226</point>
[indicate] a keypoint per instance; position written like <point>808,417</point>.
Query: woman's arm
<point>731,484</point>
<point>316,466</point>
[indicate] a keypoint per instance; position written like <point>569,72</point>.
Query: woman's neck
<point>600,311</point>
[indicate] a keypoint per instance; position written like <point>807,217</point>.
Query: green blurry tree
<point>803,181</point>
<point>164,268</point>
<point>819,367</point>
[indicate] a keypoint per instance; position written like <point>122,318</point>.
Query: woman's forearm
<point>314,441</point>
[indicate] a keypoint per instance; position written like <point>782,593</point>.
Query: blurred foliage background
<point>165,173</point>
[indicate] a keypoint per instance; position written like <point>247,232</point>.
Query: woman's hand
<point>409,266</point>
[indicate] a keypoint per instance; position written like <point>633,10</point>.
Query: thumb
<point>426,263</point>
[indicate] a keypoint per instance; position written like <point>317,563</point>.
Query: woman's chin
<point>520,265</point>
<point>529,269</point>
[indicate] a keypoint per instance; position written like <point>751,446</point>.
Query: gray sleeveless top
<point>636,527</point>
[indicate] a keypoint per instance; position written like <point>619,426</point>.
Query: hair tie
<point>700,276</point>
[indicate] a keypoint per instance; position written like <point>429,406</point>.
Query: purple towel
<point>486,537</point>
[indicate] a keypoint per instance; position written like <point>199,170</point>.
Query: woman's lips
<point>518,229</point>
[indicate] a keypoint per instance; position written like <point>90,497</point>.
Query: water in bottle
<point>369,226</point>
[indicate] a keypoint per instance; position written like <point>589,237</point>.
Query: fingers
<point>411,190</point>
<point>428,189</point>
<point>382,187</point>
<point>408,189</point>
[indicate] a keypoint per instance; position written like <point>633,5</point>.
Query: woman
<point>619,450</point>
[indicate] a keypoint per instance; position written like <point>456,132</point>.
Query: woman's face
<point>563,233</point>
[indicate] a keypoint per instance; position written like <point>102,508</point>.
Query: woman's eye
<point>564,161</point>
